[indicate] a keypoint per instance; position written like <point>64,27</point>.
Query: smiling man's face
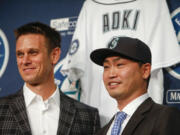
<point>33,61</point>
<point>124,78</point>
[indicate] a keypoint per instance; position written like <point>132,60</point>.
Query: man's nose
<point>26,59</point>
<point>113,72</point>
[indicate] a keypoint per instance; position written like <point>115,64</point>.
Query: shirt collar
<point>29,96</point>
<point>133,105</point>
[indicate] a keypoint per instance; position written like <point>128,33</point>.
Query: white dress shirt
<point>43,115</point>
<point>129,110</point>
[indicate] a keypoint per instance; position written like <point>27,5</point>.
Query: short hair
<point>53,37</point>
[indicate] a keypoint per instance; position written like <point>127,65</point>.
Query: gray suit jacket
<point>151,119</point>
<point>75,118</point>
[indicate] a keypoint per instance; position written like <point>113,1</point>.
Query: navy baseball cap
<point>130,48</point>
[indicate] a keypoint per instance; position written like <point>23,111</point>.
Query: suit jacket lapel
<point>18,109</point>
<point>137,117</point>
<point>67,114</point>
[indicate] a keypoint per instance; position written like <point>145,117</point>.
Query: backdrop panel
<point>60,14</point>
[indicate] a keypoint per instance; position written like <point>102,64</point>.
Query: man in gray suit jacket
<point>39,107</point>
<point>127,67</point>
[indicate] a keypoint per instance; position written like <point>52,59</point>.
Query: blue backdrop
<point>172,74</point>
<point>60,14</point>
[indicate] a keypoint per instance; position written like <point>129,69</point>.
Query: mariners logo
<point>113,43</point>
<point>74,47</point>
<point>4,52</point>
<point>68,87</point>
<point>175,70</point>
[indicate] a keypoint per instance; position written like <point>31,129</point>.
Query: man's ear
<point>146,70</point>
<point>55,55</point>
